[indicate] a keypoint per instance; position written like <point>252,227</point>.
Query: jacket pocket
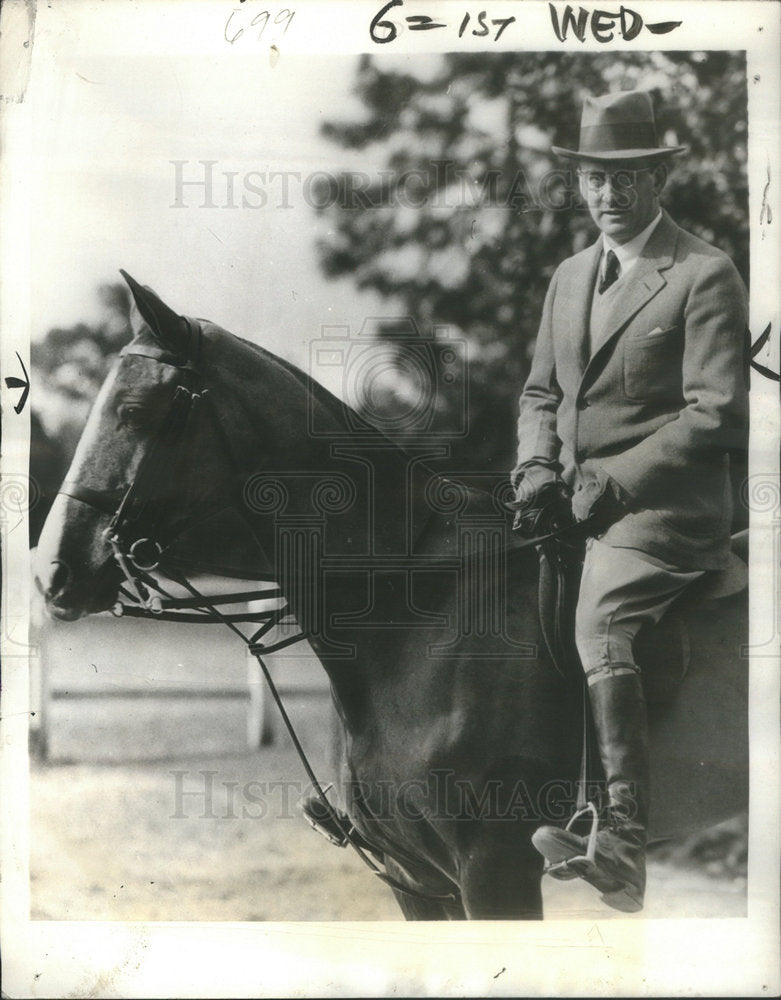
<point>653,365</point>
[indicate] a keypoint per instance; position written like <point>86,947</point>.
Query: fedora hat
<point>619,126</point>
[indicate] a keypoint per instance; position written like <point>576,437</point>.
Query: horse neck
<point>306,462</point>
<point>352,523</point>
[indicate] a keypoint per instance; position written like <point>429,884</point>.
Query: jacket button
<point>583,404</point>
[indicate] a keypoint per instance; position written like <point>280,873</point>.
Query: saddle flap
<point>662,651</point>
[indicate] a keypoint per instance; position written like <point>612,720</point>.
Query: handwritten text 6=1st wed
<point>604,25</point>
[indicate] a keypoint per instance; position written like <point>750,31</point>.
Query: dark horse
<point>459,736</point>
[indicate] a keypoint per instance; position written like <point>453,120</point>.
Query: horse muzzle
<point>53,581</point>
<point>73,585</point>
<point>69,596</point>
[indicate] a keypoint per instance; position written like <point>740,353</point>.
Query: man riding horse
<point>637,394</point>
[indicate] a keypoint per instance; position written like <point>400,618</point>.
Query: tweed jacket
<point>659,405</point>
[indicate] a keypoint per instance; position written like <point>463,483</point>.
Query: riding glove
<point>545,509</point>
<point>601,500</point>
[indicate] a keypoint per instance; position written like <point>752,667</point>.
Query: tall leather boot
<point>618,871</point>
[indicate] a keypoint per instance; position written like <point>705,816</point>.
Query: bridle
<point>134,535</point>
<point>134,527</point>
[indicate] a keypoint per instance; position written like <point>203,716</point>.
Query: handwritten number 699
<point>261,18</point>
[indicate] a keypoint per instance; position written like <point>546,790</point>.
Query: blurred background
<point>411,205</point>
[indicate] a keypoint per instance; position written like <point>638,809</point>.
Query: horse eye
<point>131,416</point>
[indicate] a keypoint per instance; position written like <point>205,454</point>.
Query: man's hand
<point>600,499</point>
<point>542,510</point>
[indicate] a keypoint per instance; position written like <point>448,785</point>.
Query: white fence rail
<point>107,688</point>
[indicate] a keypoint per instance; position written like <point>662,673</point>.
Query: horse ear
<point>171,330</point>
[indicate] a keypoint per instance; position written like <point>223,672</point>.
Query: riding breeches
<point>620,590</point>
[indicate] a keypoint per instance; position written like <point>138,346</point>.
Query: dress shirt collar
<point>628,253</point>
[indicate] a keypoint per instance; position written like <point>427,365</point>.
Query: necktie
<point>612,269</point>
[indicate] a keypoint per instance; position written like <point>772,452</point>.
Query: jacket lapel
<point>581,292</point>
<point>646,281</point>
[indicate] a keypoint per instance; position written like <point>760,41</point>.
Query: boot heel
<point>578,867</point>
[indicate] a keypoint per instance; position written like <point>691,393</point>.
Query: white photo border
<point>621,957</point>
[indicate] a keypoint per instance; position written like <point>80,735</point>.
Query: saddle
<point>662,650</point>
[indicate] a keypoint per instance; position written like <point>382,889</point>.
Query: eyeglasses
<point>595,180</point>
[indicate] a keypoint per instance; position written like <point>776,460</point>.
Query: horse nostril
<point>59,579</point>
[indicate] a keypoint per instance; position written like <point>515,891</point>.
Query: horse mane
<point>348,421</point>
<point>347,418</point>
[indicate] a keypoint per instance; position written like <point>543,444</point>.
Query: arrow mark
<point>18,383</point>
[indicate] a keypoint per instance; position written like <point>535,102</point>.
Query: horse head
<point>265,446</point>
<point>76,567</point>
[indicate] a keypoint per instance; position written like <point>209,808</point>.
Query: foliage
<point>472,213</point>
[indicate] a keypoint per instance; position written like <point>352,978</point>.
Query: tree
<point>471,214</point>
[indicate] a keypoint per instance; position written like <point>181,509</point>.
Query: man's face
<point>622,199</point>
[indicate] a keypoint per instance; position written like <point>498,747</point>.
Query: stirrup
<point>581,864</point>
